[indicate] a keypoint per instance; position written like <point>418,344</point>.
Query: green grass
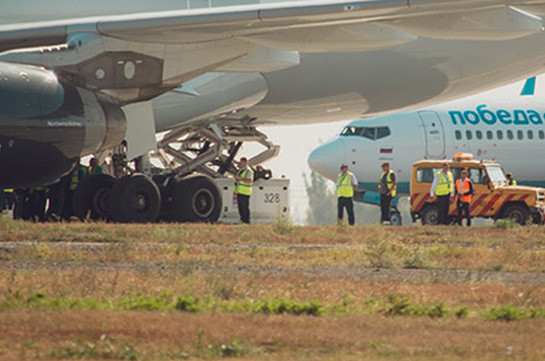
<point>393,305</point>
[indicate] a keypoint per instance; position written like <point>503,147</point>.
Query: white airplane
<point>506,125</point>
<point>78,77</point>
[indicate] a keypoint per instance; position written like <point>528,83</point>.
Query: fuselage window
<point>479,134</point>
<point>509,135</point>
<point>499,134</point>
<point>383,132</point>
<point>458,135</point>
<point>489,134</point>
<point>530,134</point>
<point>519,134</point>
<point>541,134</point>
<point>469,135</point>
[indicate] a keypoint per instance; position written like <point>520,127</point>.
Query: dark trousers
<point>385,202</point>
<point>345,202</point>
<point>56,200</point>
<point>443,202</point>
<point>243,202</point>
<point>463,208</point>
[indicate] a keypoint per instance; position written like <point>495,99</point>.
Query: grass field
<point>99,291</point>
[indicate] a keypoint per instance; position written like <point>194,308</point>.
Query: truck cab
<point>492,197</point>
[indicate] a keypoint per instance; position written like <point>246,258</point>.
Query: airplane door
<point>434,134</point>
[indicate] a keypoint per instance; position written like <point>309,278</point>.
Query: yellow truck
<point>492,198</point>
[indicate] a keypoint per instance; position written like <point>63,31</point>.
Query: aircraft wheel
<point>196,200</point>
<point>395,217</point>
<point>91,197</point>
<point>516,213</point>
<point>430,215</point>
<point>135,199</point>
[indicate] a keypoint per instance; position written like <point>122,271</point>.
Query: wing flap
<point>352,37</point>
<point>500,23</point>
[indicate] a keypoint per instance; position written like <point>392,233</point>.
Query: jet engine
<point>47,124</point>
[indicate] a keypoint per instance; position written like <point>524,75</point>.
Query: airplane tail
<point>529,87</point>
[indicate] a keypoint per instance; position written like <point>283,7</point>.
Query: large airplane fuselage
<point>499,125</point>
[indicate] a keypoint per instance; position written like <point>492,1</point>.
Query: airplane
<point>505,124</point>
<point>80,78</point>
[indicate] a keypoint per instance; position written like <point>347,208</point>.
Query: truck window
<point>496,174</point>
<point>425,175</point>
<point>477,176</point>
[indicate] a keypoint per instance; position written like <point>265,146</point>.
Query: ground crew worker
<point>94,168</point>
<point>463,191</point>
<point>510,179</point>
<point>74,178</point>
<point>243,189</point>
<point>387,187</point>
<point>346,185</point>
<point>443,187</point>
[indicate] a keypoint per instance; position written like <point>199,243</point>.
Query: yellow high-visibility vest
<point>245,187</point>
<point>345,188</point>
<point>389,182</point>
<point>444,186</point>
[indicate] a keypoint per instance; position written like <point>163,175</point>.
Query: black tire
<point>395,217</point>
<point>91,197</point>
<point>196,199</point>
<point>516,213</point>
<point>430,215</point>
<point>135,199</point>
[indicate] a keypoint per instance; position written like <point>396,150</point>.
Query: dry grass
<point>150,261</point>
<point>518,249</point>
<point>155,336</point>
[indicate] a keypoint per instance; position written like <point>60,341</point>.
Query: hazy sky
<point>296,143</point>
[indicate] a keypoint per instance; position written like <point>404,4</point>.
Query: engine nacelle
<point>47,124</point>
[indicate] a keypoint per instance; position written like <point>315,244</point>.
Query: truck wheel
<point>91,197</point>
<point>196,200</point>
<point>395,217</point>
<point>430,215</point>
<point>516,213</point>
<point>537,218</point>
<point>136,199</point>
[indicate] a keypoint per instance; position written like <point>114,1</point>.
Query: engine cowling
<point>47,124</point>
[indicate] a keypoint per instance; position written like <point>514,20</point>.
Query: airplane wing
<point>323,25</point>
<point>176,46</point>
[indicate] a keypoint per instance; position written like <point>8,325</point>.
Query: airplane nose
<point>327,159</point>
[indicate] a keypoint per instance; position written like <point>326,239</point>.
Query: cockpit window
<point>372,133</point>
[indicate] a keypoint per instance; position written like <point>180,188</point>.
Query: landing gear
<point>91,197</point>
<point>135,199</point>
<point>184,189</point>
<point>196,199</point>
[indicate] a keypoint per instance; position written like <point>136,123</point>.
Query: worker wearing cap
<point>443,188</point>
<point>346,185</point>
<point>387,187</point>
<point>463,191</point>
<point>243,189</point>
<point>510,179</point>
